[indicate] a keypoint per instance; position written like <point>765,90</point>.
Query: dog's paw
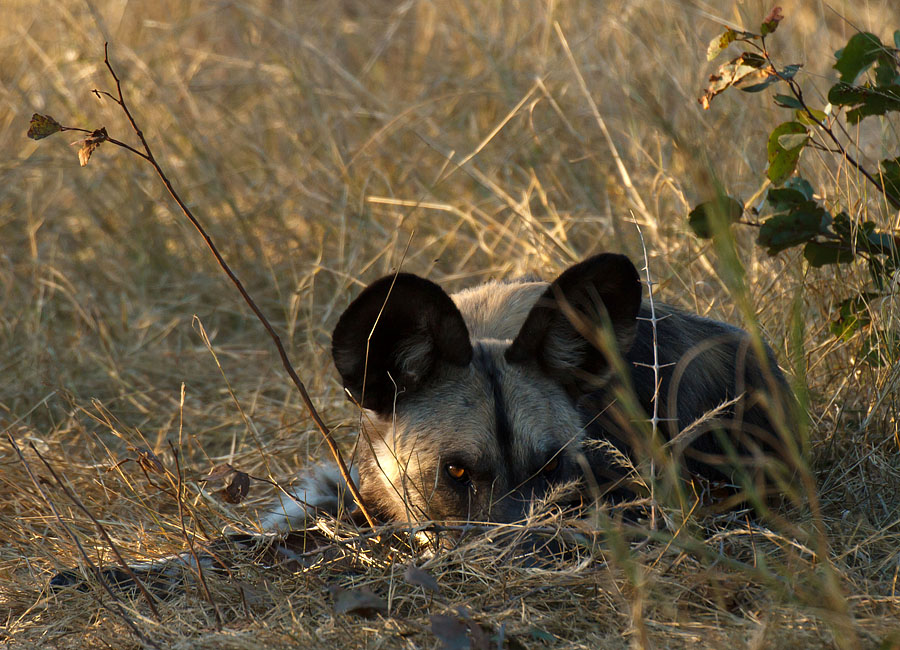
<point>321,489</point>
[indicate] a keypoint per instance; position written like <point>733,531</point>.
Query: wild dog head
<point>470,401</point>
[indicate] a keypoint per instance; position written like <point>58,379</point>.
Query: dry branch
<point>147,155</point>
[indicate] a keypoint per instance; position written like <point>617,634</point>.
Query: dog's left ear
<point>561,329</point>
<point>395,337</point>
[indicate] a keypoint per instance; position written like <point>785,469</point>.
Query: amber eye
<point>550,465</point>
<point>458,473</point>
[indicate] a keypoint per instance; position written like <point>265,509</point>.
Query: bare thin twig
<point>798,95</point>
<point>654,421</point>
<point>282,353</point>
<point>120,610</point>
<point>190,540</point>
<point>75,500</point>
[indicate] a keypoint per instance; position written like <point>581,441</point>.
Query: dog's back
<point>703,378</point>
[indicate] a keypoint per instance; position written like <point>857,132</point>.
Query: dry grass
<point>318,139</point>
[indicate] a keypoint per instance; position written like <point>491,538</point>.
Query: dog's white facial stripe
<point>389,470</point>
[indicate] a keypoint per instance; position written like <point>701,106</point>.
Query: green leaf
<point>790,71</point>
<point>842,225</point>
<point>801,185</point>
<point>881,243</point>
<point>793,140</point>
<point>702,219</point>
<point>41,126</point>
<point>860,52</point>
<point>876,107</point>
<point>803,117</point>
<point>866,237</point>
<point>853,314</point>
<point>785,199</point>
<point>841,94</point>
<point>897,39</point>
<point>886,71</point>
<point>798,226</point>
<point>541,635</point>
<point>890,176</point>
<point>865,100</point>
<point>788,101</point>
<point>783,160</point>
<point>819,254</point>
<point>765,77</point>
<point>759,81</point>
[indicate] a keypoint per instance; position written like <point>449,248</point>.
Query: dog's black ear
<point>392,338</point>
<point>561,329</point>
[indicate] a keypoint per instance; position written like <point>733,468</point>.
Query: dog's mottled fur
<point>507,380</point>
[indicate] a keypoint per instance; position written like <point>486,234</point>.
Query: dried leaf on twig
<point>94,140</point>
<point>42,125</point>
<point>237,486</point>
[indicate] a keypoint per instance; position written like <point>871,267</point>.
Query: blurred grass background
<point>324,143</point>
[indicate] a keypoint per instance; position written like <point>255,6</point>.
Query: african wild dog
<point>476,404</point>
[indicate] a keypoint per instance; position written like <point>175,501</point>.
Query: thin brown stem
<point>74,128</point>
<point>190,540</point>
<point>75,500</point>
<point>129,147</point>
<point>282,353</point>
<point>98,574</point>
<point>103,532</point>
<point>798,95</point>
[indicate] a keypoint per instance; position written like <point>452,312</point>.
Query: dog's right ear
<point>393,337</point>
<point>556,335</point>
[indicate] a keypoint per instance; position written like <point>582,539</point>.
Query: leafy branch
<point>42,126</point>
<point>793,217</point>
<point>755,71</point>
